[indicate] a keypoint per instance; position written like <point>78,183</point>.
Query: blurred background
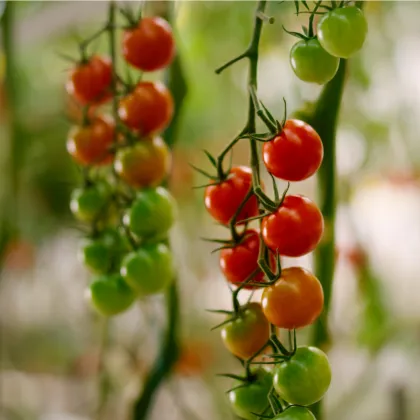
<point>51,340</point>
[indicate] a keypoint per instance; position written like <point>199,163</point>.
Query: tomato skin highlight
<point>90,145</point>
<point>342,31</point>
<point>252,398</point>
<point>223,199</point>
<point>149,269</point>
<point>295,154</point>
<point>110,295</point>
<point>305,378</point>
<point>148,108</point>
<point>150,46</point>
<point>247,333</point>
<point>295,300</point>
<point>146,164</point>
<point>295,228</point>
<point>90,82</point>
<point>311,63</point>
<point>295,413</point>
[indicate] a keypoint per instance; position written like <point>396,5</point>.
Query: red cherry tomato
<point>295,154</point>
<point>239,262</point>
<point>150,46</point>
<point>149,108</point>
<point>223,199</point>
<point>295,229</point>
<point>89,145</point>
<point>90,82</point>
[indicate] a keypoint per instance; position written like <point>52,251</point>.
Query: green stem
<point>103,378</point>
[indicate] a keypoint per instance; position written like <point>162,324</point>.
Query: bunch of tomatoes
<point>340,33</point>
<point>124,161</point>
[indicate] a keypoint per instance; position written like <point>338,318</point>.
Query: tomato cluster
<point>340,33</point>
<point>124,161</point>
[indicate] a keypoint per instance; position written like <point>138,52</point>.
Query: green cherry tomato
<point>295,413</point>
<point>88,203</point>
<point>305,378</point>
<point>110,295</point>
<point>152,213</point>
<point>342,31</point>
<point>311,63</point>
<point>148,270</point>
<point>252,397</point>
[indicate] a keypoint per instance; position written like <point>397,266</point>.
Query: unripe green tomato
<point>89,203</point>
<point>304,378</point>
<point>311,63</point>
<point>152,213</point>
<point>252,397</point>
<point>342,32</point>
<point>295,413</point>
<point>110,295</point>
<point>148,270</point>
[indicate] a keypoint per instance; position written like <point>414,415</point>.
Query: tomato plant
<point>295,228</point>
<point>295,154</point>
<point>88,204</point>
<point>342,31</point>
<point>304,378</point>
<point>295,413</point>
<point>295,300</point>
<point>150,45</point>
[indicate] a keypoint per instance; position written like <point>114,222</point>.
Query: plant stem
<point>103,382</point>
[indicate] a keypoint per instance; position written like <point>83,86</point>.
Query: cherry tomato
<point>148,108</point>
<point>295,154</point>
<point>110,295</point>
<point>247,333</point>
<point>88,204</point>
<point>311,63</point>
<point>295,300</point>
<point>342,32</point>
<point>90,82</point>
<point>295,229</point>
<point>145,164</point>
<point>223,199</point>
<point>295,413</point>
<point>90,145</point>
<point>149,46</point>
<point>305,378</point>
<point>251,397</point>
<point>148,270</point>
<point>152,213</point>
<point>239,262</point>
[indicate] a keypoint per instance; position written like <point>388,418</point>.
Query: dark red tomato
<point>295,154</point>
<point>148,108</point>
<point>150,46</point>
<point>239,262</point>
<point>90,144</point>
<point>90,82</point>
<point>295,229</point>
<point>223,199</point>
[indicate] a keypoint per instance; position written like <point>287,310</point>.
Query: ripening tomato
<point>295,413</point>
<point>342,32</point>
<point>223,199</point>
<point>295,228</point>
<point>295,154</point>
<point>239,262</point>
<point>304,378</point>
<point>90,144</point>
<point>148,108</point>
<point>295,300</point>
<point>145,164</point>
<point>252,397</point>
<point>247,333</point>
<point>150,46</point>
<point>87,204</point>
<point>148,270</point>
<point>110,295</point>
<point>311,63</point>
<point>90,82</point>
<point>152,213</point>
